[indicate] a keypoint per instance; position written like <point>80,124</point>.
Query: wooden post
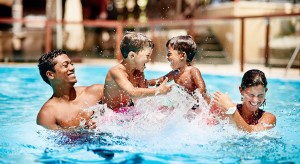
<point>267,42</point>
<point>118,41</point>
<point>152,29</point>
<point>48,37</point>
<point>242,44</point>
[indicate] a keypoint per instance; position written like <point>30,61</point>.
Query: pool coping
<point>213,69</point>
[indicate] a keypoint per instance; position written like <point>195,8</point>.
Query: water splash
<point>166,125</point>
<point>164,118</point>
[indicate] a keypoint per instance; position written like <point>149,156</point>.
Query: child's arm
<point>199,82</point>
<point>140,77</point>
<point>122,81</point>
<point>158,81</point>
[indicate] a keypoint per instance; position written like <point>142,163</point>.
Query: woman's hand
<point>222,100</point>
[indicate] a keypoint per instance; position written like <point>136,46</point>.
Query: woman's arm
<point>267,121</point>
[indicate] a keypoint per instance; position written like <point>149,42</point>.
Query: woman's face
<point>253,97</point>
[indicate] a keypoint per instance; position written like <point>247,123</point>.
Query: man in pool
<point>126,80</point>
<point>65,108</point>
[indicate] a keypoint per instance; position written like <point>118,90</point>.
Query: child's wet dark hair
<point>134,42</point>
<point>254,77</point>
<point>184,44</point>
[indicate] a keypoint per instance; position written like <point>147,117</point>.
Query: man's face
<point>143,57</point>
<point>64,69</point>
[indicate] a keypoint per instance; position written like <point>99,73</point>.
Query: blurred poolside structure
<point>257,31</point>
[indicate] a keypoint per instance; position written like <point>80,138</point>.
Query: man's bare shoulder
<point>47,111</point>
<point>49,106</point>
<point>95,88</point>
<point>80,88</point>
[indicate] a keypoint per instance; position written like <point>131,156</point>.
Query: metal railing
<point>151,24</point>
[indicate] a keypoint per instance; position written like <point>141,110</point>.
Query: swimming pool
<point>22,93</point>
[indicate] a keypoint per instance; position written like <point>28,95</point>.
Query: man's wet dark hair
<point>134,42</point>
<point>46,63</point>
<point>184,43</point>
<point>254,77</point>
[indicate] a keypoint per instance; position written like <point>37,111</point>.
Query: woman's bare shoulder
<point>268,118</point>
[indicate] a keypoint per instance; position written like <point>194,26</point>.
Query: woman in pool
<point>248,115</point>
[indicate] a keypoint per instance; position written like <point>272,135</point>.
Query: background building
<point>257,31</point>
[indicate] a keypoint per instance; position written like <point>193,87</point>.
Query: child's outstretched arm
<point>136,92</point>
<point>158,81</point>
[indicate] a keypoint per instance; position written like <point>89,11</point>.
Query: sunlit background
<point>264,32</point>
<point>230,35</point>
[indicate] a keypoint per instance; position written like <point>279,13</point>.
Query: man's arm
<point>46,119</point>
<point>97,90</point>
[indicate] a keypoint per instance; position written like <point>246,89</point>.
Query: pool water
<point>155,137</point>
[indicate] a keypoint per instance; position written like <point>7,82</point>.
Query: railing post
<point>267,48</point>
<point>48,36</point>
<point>242,44</point>
<point>118,41</point>
<point>152,29</point>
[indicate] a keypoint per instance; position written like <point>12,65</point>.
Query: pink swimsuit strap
<point>124,109</point>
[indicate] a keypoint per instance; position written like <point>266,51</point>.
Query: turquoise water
<point>174,140</point>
